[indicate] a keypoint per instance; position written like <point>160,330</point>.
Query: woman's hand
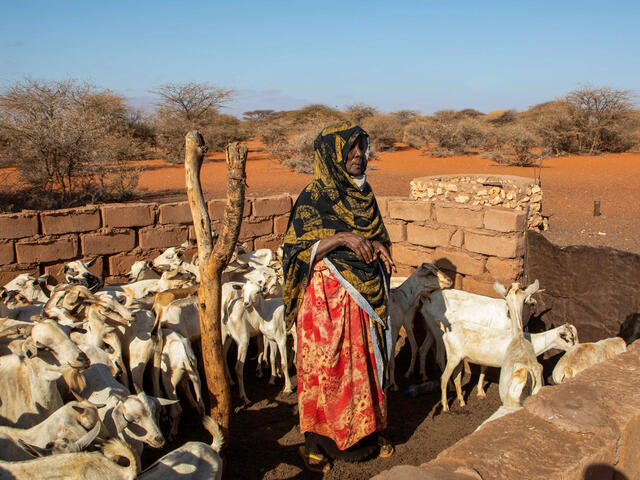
<point>381,252</point>
<point>358,244</point>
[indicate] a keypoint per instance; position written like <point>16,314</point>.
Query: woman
<point>337,266</point>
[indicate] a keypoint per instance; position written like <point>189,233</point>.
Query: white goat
<point>84,465</point>
<point>128,417</point>
<point>32,288</point>
<point>403,304</point>
<point>450,306</point>
<point>77,272</point>
<point>252,315</point>
<point>194,460</point>
<point>72,427</point>
<point>179,365</point>
<point>29,391</point>
<point>583,355</point>
<point>481,344</point>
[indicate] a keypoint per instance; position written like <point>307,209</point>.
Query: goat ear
<point>34,450</point>
<point>164,401</point>
<point>499,288</point>
<point>29,348</point>
<point>118,417</point>
<point>3,294</point>
<point>531,289</point>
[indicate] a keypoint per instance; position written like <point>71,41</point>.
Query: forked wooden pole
<point>212,261</point>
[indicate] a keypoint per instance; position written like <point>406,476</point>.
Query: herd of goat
<point>73,357</point>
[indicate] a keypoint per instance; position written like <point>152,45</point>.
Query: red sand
<point>570,184</point>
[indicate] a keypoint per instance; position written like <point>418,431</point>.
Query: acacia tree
<point>212,261</point>
<point>187,106</point>
<point>70,140</point>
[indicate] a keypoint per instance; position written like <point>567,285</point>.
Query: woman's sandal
<point>322,465</point>
<point>386,448</point>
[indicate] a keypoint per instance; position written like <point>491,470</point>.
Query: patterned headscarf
<point>330,204</point>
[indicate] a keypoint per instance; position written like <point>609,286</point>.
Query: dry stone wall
<point>475,244</point>
<point>587,428</point>
<point>119,234</point>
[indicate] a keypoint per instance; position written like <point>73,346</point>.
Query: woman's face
<point>354,165</point>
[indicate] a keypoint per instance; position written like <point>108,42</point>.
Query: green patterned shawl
<point>330,204</point>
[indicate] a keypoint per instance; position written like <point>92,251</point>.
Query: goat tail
<point>157,361</point>
<point>116,448</point>
<point>214,429</point>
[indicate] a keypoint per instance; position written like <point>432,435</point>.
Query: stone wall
<point>119,234</point>
<point>587,428</point>
<point>475,244</point>
<point>508,191</point>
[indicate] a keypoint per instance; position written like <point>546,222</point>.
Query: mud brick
<point>114,241</point>
<point>397,230</point>
<point>47,250</point>
<point>505,271</point>
<point>268,206</point>
<point>280,224</point>
<point>252,229</point>
<point>410,210</point>
<point>163,237</point>
<point>458,261</point>
<point>429,235</point>
<point>128,215</point>
<point>176,213</point>
<point>496,245</point>
<point>6,253</point>
<point>479,285</point>
<point>70,220</point>
<point>216,208</point>
<point>9,272</point>
<point>18,225</point>
<point>459,216</point>
<point>268,241</point>
<point>410,255</point>
<point>505,220</point>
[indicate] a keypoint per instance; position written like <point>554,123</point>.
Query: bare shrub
<point>223,130</point>
<point>555,126</point>
<point>501,117</point>
<point>384,130</point>
<point>406,116</point>
<point>416,133</point>
<point>358,112</point>
<point>299,152</point>
<point>187,106</point>
<point>70,141</point>
<point>603,118</point>
<point>314,114</point>
<point>518,144</point>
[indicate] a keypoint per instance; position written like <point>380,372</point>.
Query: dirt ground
<point>265,435</point>
<point>571,184</point>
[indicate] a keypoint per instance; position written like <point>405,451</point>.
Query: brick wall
<point>475,244</point>
<point>120,234</point>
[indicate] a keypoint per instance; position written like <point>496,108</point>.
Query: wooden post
<point>212,261</point>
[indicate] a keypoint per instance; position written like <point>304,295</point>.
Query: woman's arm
<point>357,243</point>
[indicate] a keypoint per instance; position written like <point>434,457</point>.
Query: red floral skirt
<point>339,395</point>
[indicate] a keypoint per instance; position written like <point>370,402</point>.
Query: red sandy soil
<point>571,184</point>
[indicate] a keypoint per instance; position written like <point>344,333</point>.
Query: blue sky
<point>394,55</point>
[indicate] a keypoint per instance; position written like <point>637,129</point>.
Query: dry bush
<point>299,152</point>
<point>223,130</point>
<point>358,112</point>
<point>554,124</point>
<point>384,131</point>
<point>314,114</point>
<point>70,141</point>
<point>416,133</point>
<point>405,116</point>
<point>517,147</point>
<point>501,117</point>
<point>187,106</point>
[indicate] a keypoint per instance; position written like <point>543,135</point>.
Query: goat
<point>32,288</point>
<point>248,316</point>
<point>77,272</point>
<point>450,306</point>
<point>76,424</point>
<point>194,460</point>
<point>583,355</point>
<point>179,363</point>
<point>84,465</point>
<point>479,343</point>
<point>403,304</point>
<point>142,270</point>
<point>29,391</point>
<point>126,416</point>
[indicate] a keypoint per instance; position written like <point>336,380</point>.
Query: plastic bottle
<point>422,388</point>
